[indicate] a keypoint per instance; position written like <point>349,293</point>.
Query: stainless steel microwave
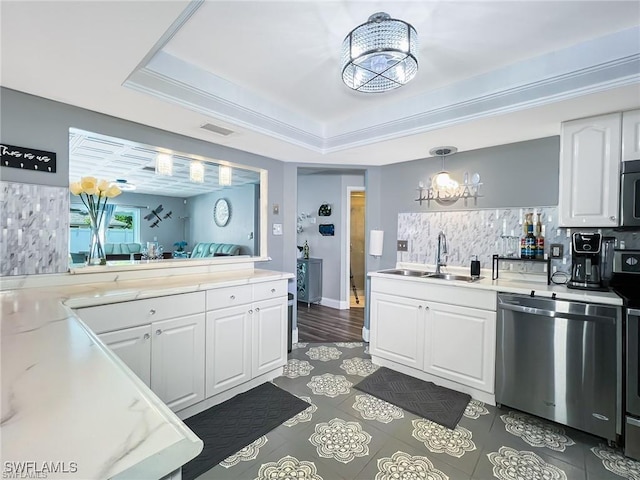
<point>630,194</point>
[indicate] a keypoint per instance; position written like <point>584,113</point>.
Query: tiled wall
<point>35,229</point>
<point>478,232</point>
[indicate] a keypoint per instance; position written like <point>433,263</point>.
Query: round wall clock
<point>221,212</point>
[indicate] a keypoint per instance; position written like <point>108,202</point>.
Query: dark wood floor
<point>324,324</point>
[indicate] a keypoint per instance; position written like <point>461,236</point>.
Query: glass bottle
<point>305,250</point>
<point>539,239</point>
<point>523,239</point>
<point>530,239</point>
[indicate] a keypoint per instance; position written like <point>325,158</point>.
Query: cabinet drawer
<point>267,290</point>
<point>228,297</point>
<point>116,316</point>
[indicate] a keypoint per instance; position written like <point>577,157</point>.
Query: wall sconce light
<point>164,164</point>
<point>196,171</point>
<point>444,189</point>
<point>224,175</point>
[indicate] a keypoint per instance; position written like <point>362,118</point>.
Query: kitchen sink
<point>450,276</point>
<point>406,272</point>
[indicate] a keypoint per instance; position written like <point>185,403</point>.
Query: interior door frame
<point>347,242</point>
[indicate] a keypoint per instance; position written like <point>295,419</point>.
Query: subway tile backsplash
<point>479,232</point>
<point>34,228</point>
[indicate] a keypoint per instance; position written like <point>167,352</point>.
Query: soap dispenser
<point>475,267</point>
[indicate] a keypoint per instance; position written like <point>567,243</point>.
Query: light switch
<point>277,229</point>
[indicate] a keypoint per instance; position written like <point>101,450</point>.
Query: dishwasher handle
<point>584,312</point>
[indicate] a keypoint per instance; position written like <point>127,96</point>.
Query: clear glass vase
<point>96,254</point>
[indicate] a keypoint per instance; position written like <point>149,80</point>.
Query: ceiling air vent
<point>216,129</point>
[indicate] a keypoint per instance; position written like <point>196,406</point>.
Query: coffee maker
<point>585,260</point>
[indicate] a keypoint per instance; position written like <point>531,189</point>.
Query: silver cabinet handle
<point>232,297</point>
<point>250,311</point>
<point>147,336</point>
<point>419,307</point>
<point>257,309</point>
<point>152,312</point>
<point>612,218</point>
<point>158,332</point>
<point>273,290</point>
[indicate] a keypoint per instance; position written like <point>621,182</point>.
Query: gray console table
<point>309,280</point>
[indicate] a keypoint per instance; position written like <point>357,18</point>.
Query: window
<point>123,228</point>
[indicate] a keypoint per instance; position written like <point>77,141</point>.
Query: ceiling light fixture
<point>224,175</point>
<point>164,164</point>
<point>196,171</point>
<point>443,188</point>
<point>380,55</point>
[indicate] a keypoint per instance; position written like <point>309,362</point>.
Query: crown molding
<point>594,66</point>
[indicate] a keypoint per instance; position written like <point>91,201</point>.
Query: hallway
<point>323,324</point>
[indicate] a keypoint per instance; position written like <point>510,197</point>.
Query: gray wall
<point>240,227</point>
<point>35,122</point>
<point>513,175</point>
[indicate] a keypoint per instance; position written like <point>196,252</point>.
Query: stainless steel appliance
<point>630,194</point>
<point>560,360</point>
<point>626,283</point>
<point>585,261</point>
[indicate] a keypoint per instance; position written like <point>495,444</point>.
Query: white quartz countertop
<point>509,285</point>
<point>67,400</point>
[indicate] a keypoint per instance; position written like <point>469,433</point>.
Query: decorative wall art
<point>156,217</point>
<point>324,210</point>
<point>326,229</point>
<point>27,158</point>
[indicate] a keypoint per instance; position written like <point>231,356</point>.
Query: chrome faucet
<point>442,250</point>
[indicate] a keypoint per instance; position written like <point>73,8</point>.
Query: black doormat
<point>234,424</point>
<point>426,399</point>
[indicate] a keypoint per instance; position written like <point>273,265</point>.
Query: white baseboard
<point>332,303</point>
<point>294,336</point>
<point>365,334</point>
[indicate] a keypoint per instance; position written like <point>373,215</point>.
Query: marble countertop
<point>524,284</point>
<point>67,398</point>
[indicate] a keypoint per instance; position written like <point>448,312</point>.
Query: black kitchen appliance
<point>630,194</point>
<point>585,261</point>
<point>626,283</point>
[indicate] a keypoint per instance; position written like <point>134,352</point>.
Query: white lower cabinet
<point>444,334</point>
<point>269,343</point>
<point>168,356</point>
<point>133,346</point>
<point>177,360</point>
<point>228,348</point>
<point>397,333</point>
<point>459,344</point>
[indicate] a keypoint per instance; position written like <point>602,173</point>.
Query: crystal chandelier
<point>164,164</point>
<point>380,55</point>
<point>224,175</point>
<point>196,171</point>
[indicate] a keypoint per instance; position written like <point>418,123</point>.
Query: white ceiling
<point>490,72</point>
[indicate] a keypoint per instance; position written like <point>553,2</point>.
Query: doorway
<point>356,246</point>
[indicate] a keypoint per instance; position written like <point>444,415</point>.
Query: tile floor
<point>346,434</point>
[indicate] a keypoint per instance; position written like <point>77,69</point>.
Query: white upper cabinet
<point>631,135</point>
<point>590,172</point>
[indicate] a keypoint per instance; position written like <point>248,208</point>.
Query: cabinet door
<point>631,135</point>
<point>228,349</point>
<point>133,346</point>
<point>269,328</point>
<point>177,360</point>
<point>460,345</point>
<point>589,172</point>
<point>397,329</point>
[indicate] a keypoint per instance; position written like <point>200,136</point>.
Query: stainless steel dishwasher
<point>561,360</point>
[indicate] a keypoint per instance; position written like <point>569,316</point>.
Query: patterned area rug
<point>234,424</point>
<point>428,400</point>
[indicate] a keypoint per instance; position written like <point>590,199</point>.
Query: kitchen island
<point>69,404</point>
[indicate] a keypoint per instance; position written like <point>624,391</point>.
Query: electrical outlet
<point>556,250</point>
<point>403,245</point>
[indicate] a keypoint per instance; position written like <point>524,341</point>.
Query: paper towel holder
<point>376,242</point>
